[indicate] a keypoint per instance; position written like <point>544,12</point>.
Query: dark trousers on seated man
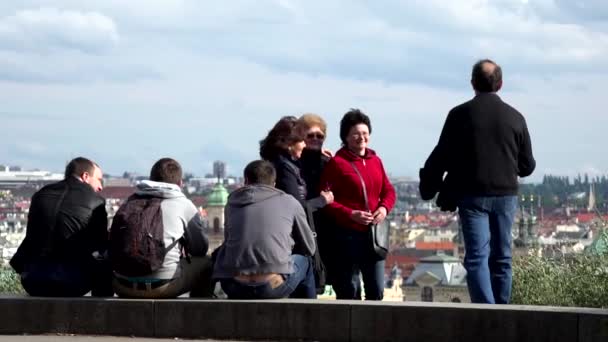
<point>47,278</point>
<point>194,277</point>
<point>299,284</point>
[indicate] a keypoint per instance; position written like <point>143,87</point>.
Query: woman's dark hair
<point>352,118</point>
<point>285,133</point>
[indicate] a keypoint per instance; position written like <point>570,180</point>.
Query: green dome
<point>218,196</point>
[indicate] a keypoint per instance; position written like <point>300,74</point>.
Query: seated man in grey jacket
<point>185,267</point>
<point>263,226</point>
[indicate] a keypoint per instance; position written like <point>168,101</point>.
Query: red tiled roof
<point>436,246</point>
<point>392,259</point>
<point>584,218</point>
<point>199,201</point>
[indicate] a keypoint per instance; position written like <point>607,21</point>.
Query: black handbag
<point>379,235</point>
<point>319,267</point>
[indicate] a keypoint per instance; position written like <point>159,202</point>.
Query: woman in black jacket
<point>283,146</point>
<point>313,160</point>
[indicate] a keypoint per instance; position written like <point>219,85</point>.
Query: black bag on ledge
<point>318,266</point>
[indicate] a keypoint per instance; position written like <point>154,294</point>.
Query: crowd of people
<point>302,219</point>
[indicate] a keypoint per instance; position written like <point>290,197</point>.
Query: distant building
<point>10,179</point>
<point>216,201</point>
<point>219,170</point>
<point>439,278</point>
<point>117,182</point>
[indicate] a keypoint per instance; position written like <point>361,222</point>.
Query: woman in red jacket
<point>349,212</point>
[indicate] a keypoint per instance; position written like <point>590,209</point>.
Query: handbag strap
<point>362,185</point>
<point>48,248</point>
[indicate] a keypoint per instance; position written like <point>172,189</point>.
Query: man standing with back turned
<point>484,147</point>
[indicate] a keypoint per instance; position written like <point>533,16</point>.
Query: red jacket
<point>340,177</point>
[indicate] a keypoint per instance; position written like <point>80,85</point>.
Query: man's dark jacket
<point>484,147</point>
<point>66,223</point>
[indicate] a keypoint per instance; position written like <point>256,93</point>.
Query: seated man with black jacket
<point>267,241</point>
<point>67,233</point>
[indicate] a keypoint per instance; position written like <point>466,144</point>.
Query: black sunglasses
<point>319,136</point>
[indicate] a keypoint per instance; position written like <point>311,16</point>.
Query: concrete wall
<point>446,294</point>
<point>301,320</point>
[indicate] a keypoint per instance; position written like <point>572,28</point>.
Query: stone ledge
<point>291,319</point>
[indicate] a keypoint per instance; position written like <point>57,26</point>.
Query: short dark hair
<point>484,81</point>
<point>285,132</point>
<point>260,172</point>
<point>77,166</point>
<point>352,118</point>
<point>166,170</point>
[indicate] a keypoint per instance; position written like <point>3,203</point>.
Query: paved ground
<point>67,338</point>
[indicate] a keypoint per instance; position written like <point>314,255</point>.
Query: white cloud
<point>47,30</point>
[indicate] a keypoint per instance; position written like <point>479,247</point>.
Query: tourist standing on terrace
<point>313,161</point>
<point>351,216</point>
<point>484,147</point>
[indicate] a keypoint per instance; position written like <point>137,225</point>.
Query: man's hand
<point>379,215</point>
<point>362,217</point>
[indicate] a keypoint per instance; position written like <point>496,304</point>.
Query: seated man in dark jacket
<point>66,236</point>
<point>263,226</point>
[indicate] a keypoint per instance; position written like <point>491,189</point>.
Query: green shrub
<point>10,282</point>
<point>579,280</point>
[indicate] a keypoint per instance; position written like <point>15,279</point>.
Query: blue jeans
<point>299,284</point>
<point>56,279</point>
<point>356,256</point>
<point>486,227</point>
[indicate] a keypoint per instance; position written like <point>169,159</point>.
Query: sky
<point>128,82</point>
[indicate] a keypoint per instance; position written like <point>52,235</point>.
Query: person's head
<point>86,171</point>
<point>166,170</point>
<point>314,129</point>
<point>285,137</point>
<point>486,76</point>
<point>355,129</point>
<point>260,172</point>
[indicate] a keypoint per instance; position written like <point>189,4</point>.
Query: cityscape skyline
<point>126,83</point>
